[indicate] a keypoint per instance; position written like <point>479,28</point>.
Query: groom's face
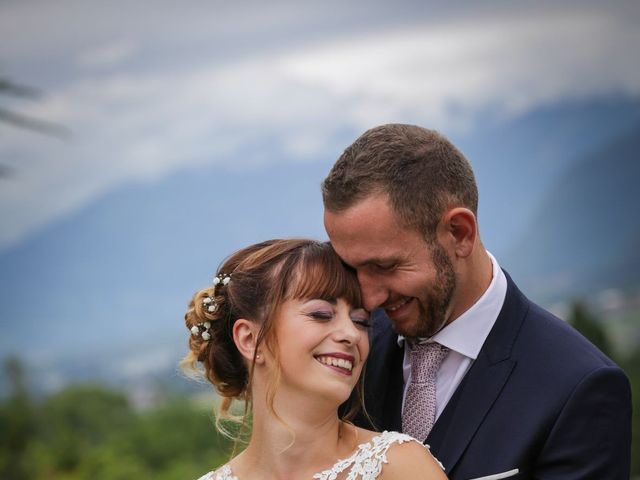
<point>413,281</point>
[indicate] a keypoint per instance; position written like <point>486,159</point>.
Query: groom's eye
<point>386,267</point>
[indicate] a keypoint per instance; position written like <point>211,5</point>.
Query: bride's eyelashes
<point>362,322</point>
<point>322,316</point>
<point>325,316</point>
<point>361,318</point>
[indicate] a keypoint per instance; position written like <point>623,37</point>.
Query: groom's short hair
<point>421,171</point>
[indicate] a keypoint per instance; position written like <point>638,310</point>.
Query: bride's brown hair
<point>263,276</point>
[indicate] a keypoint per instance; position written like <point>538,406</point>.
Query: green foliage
<point>594,329</point>
<point>80,418</point>
<point>587,324</point>
<point>159,431</point>
<point>631,366</point>
<point>89,431</point>
<point>17,424</point>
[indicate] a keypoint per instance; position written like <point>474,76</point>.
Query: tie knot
<point>425,361</point>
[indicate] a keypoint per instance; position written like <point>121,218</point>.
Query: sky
<point>190,129</point>
<point>147,89</point>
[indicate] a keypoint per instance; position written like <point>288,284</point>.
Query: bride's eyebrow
<point>325,298</point>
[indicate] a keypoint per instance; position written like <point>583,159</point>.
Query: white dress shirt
<point>464,337</point>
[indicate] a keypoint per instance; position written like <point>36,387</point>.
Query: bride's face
<point>322,345</point>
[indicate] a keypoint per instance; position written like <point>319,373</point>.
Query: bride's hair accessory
<point>209,303</point>
<point>221,279</point>
<point>202,330</point>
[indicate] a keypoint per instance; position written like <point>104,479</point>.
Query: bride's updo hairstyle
<point>252,284</point>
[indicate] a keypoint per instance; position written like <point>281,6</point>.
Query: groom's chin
<point>412,328</point>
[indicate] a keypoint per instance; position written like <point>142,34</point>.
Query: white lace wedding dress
<point>364,464</point>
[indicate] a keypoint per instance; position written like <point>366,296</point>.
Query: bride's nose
<point>346,331</point>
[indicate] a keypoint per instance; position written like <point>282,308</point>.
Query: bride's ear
<point>245,336</point>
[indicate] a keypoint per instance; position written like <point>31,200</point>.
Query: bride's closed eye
<point>362,322</point>
<point>320,315</point>
<point>319,309</point>
<point>361,319</point>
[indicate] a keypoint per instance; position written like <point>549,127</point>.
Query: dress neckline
<point>376,448</point>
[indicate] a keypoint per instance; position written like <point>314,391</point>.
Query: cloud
<point>515,62</point>
<point>107,55</point>
<point>144,122</point>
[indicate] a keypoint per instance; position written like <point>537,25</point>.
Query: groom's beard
<point>434,304</point>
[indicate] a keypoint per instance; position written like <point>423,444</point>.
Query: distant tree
<point>91,431</point>
<point>80,418</point>
<point>177,433</point>
<point>587,324</point>
<point>17,423</point>
<point>631,366</point>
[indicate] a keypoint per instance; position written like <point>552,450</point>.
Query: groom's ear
<point>460,231</point>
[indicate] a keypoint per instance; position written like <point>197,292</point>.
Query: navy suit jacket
<point>539,398</point>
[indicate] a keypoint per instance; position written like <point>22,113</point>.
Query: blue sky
<point>199,127</point>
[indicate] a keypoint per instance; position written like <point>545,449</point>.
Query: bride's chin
<point>332,398</point>
<point>338,398</point>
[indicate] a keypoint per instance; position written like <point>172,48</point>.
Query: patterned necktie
<point>419,412</point>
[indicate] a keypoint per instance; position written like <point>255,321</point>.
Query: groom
<point>497,386</point>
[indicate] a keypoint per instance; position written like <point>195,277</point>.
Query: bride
<point>282,329</point>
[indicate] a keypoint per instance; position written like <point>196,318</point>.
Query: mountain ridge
<point>585,234</point>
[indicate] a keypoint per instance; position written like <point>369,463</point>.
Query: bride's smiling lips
<point>342,363</point>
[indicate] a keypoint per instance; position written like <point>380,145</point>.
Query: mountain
<point>102,293</point>
<point>585,236</point>
<point>518,162</point>
<point>123,269</point>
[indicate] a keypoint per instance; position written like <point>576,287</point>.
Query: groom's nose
<point>373,292</point>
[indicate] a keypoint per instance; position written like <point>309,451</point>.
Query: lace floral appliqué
<point>366,463</point>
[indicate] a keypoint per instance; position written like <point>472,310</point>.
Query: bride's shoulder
<point>408,458</point>
<point>382,441</point>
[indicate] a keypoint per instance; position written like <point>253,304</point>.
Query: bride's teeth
<point>336,362</point>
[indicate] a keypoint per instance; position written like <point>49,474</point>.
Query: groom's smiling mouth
<point>397,308</point>
<point>340,362</point>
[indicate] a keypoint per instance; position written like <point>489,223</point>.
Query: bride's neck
<point>306,438</point>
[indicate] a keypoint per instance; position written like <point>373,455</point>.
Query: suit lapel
<point>463,415</point>
<point>482,385</point>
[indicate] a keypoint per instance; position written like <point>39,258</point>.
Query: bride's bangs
<point>321,274</point>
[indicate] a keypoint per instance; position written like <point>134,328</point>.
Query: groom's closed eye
<point>382,267</point>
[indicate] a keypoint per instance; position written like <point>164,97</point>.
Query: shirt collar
<point>467,333</point>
